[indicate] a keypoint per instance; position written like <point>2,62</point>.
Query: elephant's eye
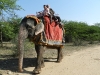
<point>29,28</point>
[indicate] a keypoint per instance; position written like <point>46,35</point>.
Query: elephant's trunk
<point>21,38</point>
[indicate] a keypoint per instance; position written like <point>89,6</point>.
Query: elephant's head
<point>33,27</point>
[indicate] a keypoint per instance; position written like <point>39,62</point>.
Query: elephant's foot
<point>20,70</point>
<point>42,65</point>
<point>59,59</point>
<point>36,71</point>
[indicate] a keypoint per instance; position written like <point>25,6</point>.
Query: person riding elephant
<point>46,11</point>
<point>49,12</point>
<point>55,17</point>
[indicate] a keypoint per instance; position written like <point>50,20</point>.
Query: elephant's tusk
<point>33,27</point>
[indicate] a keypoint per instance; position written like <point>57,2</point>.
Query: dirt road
<point>83,62</point>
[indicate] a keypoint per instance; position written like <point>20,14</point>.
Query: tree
<point>74,30</point>
<point>93,33</point>
<point>97,24</point>
<point>77,32</point>
<point>7,7</point>
<point>10,28</point>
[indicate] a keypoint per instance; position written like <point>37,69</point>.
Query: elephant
<point>29,29</point>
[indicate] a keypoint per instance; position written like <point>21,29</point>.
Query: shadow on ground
<point>12,64</point>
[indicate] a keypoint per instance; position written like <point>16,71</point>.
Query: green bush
<point>77,31</point>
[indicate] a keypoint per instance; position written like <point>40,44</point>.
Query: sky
<point>75,10</point>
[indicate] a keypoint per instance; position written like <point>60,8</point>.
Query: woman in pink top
<point>46,11</point>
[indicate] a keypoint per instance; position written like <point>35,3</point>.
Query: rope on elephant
<point>34,17</point>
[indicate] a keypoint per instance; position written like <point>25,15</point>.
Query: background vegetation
<point>75,32</point>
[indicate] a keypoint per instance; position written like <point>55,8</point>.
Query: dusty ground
<point>83,60</point>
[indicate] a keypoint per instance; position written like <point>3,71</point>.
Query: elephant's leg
<point>42,59</point>
<point>42,63</point>
<point>39,50</point>
<point>60,54</point>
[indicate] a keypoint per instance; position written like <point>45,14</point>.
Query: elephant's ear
<point>39,28</point>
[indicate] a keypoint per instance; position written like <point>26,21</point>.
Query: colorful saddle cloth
<point>52,35</point>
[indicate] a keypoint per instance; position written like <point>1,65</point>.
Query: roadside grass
<point>9,49</point>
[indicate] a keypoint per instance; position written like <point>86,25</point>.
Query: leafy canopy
<point>8,6</point>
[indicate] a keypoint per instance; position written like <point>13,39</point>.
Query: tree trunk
<point>1,41</point>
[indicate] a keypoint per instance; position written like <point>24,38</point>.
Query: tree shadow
<point>12,63</point>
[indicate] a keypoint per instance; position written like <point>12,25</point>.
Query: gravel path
<point>85,61</point>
